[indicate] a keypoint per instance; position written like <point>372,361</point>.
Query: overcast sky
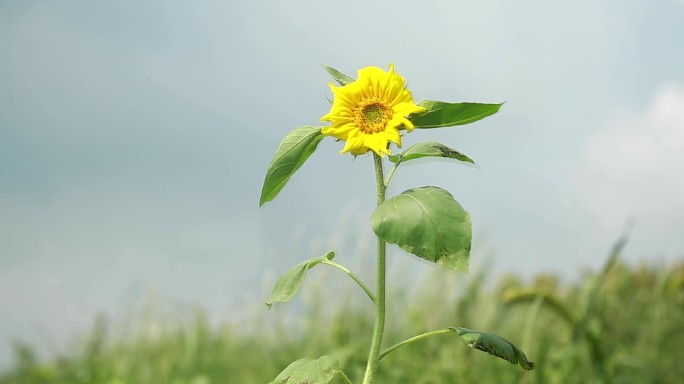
<point>134,138</point>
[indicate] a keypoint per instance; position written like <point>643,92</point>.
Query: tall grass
<point>636,321</point>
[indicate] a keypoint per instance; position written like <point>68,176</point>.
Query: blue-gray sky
<point>134,137</point>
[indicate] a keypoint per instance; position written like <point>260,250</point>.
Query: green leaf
<point>338,76</point>
<point>494,345</point>
<point>293,151</point>
<point>440,114</point>
<point>592,295</point>
<point>288,284</point>
<point>428,223</point>
<point>429,149</point>
<point>309,371</point>
<point>519,296</point>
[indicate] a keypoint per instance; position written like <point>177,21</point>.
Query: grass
<point>632,332</point>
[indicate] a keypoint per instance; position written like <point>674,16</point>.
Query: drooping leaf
<point>288,284</point>
<point>441,114</point>
<point>519,296</point>
<point>429,149</point>
<point>309,371</point>
<point>494,345</point>
<point>293,151</point>
<point>428,223</point>
<point>338,76</point>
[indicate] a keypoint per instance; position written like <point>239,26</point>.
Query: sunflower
<point>369,112</point>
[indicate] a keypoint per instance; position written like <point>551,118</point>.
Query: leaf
<point>592,295</point>
<point>429,149</point>
<point>428,223</point>
<point>440,114</point>
<point>288,284</point>
<point>518,296</point>
<point>494,345</point>
<point>338,76</point>
<point>293,151</point>
<point>309,371</point>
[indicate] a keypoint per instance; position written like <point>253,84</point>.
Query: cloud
<point>633,168</point>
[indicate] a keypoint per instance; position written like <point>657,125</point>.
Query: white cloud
<point>633,168</point>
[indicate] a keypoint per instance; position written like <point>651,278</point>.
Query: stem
<point>378,329</point>
<point>414,338</point>
<point>346,379</point>
<point>388,180</point>
<point>353,276</point>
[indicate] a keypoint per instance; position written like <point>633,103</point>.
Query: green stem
<point>414,338</point>
<point>353,276</point>
<point>378,329</point>
<point>346,379</point>
<point>388,180</point>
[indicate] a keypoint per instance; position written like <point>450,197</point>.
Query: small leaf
<point>309,371</point>
<point>494,345</point>
<point>429,149</point>
<point>338,76</point>
<point>440,114</point>
<point>288,284</point>
<point>428,223</point>
<point>293,151</point>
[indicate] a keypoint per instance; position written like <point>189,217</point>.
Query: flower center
<point>372,115</point>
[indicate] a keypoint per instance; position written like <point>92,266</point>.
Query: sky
<point>135,136</point>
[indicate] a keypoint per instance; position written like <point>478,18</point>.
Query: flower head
<point>368,112</point>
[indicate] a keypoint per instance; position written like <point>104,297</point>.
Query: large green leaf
<point>293,151</point>
<point>494,345</point>
<point>338,76</point>
<point>309,371</point>
<point>288,284</point>
<point>428,223</point>
<point>441,114</point>
<point>429,149</point>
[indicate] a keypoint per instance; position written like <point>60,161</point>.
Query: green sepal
<point>429,149</point>
<point>288,284</point>
<point>338,76</point>
<point>309,371</point>
<point>427,222</point>
<point>440,114</point>
<point>293,151</point>
<point>494,345</point>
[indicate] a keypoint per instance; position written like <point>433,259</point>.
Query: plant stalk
<point>351,274</point>
<point>414,338</point>
<point>379,328</point>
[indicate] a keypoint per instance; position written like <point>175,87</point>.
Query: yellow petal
<point>353,116</point>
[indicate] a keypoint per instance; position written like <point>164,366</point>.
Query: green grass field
<point>622,326</point>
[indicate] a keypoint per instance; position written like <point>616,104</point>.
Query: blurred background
<point>134,138</point>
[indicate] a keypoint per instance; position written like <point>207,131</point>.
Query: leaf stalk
<point>351,274</point>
